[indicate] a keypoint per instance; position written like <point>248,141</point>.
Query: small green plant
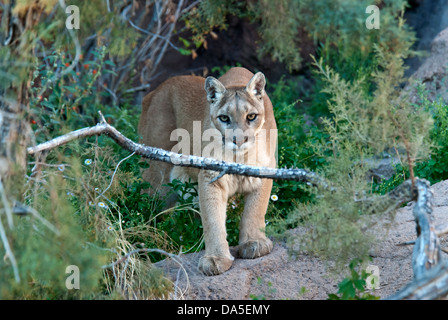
<point>183,223</point>
<point>270,292</point>
<point>388,185</point>
<point>354,286</point>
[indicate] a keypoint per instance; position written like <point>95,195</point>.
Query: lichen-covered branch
<point>180,159</point>
<point>430,271</point>
<point>433,284</point>
<point>427,251</point>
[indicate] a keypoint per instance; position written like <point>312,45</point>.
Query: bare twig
<point>406,243</point>
<point>6,206</point>
<point>139,88</point>
<point>9,18</point>
<point>9,253</point>
<point>113,175</point>
<point>219,176</point>
<point>21,209</point>
<point>168,37</point>
<point>126,257</point>
<point>442,229</point>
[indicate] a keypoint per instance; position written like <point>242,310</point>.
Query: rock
<point>382,168</point>
<point>279,276</point>
<point>433,73</point>
<point>427,18</point>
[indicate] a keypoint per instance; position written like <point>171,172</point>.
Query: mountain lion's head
<point>237,112</point>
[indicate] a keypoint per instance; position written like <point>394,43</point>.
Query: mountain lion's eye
<point>251,117</point>
<point>224,118</point>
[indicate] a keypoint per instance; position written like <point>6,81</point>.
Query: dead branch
<point>431,285</point>
<point>427,251</point>
<point>180,159</point>
<point>9,253</point>
<point>156,22</point>
<point>430,271</point>
<point>21,209</point>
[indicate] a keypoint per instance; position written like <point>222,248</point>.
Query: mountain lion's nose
<point>239,142</point>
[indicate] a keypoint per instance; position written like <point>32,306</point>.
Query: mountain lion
<point>237,108</point>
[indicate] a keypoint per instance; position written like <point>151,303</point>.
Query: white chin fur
<point>231,146</point>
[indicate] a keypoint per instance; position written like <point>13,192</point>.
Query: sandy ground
<point>277,276</point>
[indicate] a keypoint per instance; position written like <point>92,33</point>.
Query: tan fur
<point>178,102</point>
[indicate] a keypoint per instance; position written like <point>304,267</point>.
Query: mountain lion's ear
<point>256,85</point>
<point>215,89</point>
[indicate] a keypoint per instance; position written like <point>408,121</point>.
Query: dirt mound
<point>279,276</point>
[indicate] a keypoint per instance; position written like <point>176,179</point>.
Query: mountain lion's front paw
<point>255,248</point>
<point>211,265</point>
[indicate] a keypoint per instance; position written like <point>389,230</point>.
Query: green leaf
<point>110,71</point>
<point>185,52</point>
<point>185,42</point>
<point>70,88</point>
<point>360,284</point>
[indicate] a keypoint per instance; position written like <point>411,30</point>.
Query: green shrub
<point>43,255</point>
<point>362,126</point>
<point>434,166</point>
<point>336,27</point>
<point>89,190</point>
<point>435,169</point>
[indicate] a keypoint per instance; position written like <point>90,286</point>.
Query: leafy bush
<point>435,168</point>
<point>85,191</point>
<point>43,254</point>
<point>362,125</point>
<point>336,27</point>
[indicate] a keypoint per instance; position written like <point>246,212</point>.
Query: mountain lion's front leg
<point>213,202</point>
<point>253,242</point>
